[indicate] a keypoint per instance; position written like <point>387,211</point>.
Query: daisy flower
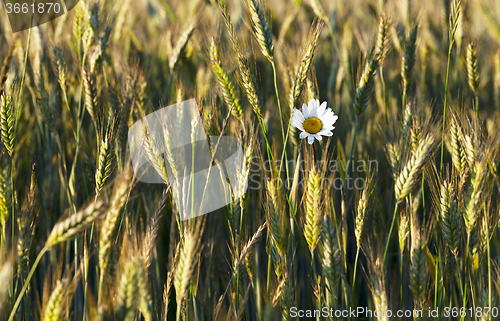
<point>314,121</point>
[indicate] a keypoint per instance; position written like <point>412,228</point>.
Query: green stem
<point>477,104</point>
<point>444,107</point>
<point>26,283</point>
<point>355,131</point>
<point>355,268</point>
<point>466,259</point>
<point>390,232</point>
<point>281,117</point>
<point>401,278</point>
<point>489,256</point>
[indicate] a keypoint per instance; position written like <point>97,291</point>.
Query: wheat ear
<point>188,257</point>
<point>225,83</point>
<point>180,47</point>
<point>455,147</point>
<point>472,67</point>
<point>409,58</point>
<point>248,79</point>
<point>7,119</point>
<point>313,215</point>
<point>411,172</point>
<point>260,28</point>
<point>450,220</point>
<point>107,236</point>
<point>331,257</point>
<point>75,223</point>
<point>365,85</point>
<point>473,202</point>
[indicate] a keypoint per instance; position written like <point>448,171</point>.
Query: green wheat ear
<point>313,215</point>
<point>413,169</point>
<point>261,29</point>
<point>472,67</point>
<point>7,120</point>
<point>225,83</point>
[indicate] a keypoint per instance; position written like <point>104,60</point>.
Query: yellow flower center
<point>312,125</point>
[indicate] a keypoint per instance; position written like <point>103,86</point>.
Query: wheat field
<point>370,175</point>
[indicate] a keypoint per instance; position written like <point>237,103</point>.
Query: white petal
<point>297,123</point>
<point>313,110</point>
<point>318,136</point>
<point>310,140</point>
<point>303,135</point>
<point>298,114</point>
<point>329,119</point>
<point>325,133</point>
<point>322,109</point>
<point>311,103</point>
<point>305,110</point>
